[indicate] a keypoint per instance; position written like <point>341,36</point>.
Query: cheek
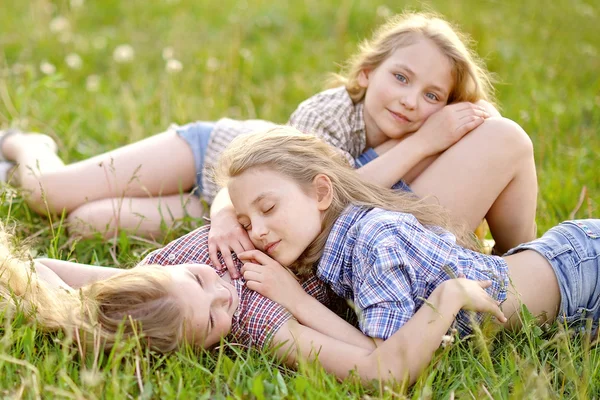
<point>429,109</point>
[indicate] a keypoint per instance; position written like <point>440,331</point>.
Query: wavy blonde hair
<point>472,80</point>
<point>136,302</point>
<point>301,158</point>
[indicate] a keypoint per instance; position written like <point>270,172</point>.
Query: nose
<point>259,229</point>
<point>221,296</point>
<point>409,100</point>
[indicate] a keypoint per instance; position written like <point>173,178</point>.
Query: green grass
<point>260,59</point>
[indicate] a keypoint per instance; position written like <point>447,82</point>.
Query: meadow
<point>100,74</point>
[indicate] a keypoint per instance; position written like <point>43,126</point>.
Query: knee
<point>506,137</point>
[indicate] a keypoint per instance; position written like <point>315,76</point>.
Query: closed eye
<point>199,280</point>
<point>268,210</point>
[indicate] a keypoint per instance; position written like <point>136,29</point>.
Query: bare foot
<point>18,142</point>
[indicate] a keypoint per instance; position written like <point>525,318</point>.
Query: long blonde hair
<point>302,157</point>
<point>472,80</point>
<point>136,302</point>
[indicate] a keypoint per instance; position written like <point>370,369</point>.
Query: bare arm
<point>403,356</point>
<point>77,275</point>
<point>267,277</point>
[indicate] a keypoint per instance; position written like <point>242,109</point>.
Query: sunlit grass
<point>247,59</point>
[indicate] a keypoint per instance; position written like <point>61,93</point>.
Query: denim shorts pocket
<point>555,252</point>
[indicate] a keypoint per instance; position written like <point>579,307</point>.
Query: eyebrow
<point>208,321</point>
<point>411,72</point>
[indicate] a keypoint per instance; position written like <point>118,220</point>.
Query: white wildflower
<point>59,24</point>
<point>73,61</point>
<point>212,64</point>
<point>92,83</point>
<point>77,3</point>
<point>447,340</point>
<point>173,66</point>
<point>47,68</point>
<point>384,12</point>
<point>123,54</point>
<point>246,54</point>
<point>168,53</point>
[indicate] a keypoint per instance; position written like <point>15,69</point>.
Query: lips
<point>269,248</point>
<point>399,117</point>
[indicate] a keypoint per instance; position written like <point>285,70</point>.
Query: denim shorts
<point>573,250</point>
<point>196,134</point>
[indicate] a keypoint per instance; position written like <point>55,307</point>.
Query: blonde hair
<point>302,157</point>
<point>136,302</point>
<point>472,81</point>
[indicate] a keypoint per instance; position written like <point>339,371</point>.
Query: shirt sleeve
<point>383,292</point>
<point>333,131</point>
<point>366,157</point>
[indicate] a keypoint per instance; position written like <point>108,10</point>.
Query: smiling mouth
<point>271,246</point>
<point>399,117</point>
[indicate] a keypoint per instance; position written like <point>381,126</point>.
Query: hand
<point>448,125</point>
<point>473,297</point>
<point>269,278</point>
<point>227,235</point>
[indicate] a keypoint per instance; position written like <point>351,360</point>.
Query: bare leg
<point>139,215</point>
<point>161,164</point>
<point>490,173</point>
<point>121,188</point>
<point>534,284</point>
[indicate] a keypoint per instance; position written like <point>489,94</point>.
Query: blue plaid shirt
<point>387,263</point>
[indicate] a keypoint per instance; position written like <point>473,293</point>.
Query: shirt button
<point>171,257</point>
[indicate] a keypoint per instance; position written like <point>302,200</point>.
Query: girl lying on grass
<point>415,92</point>
<point>187,302</point>
<point>396,257</point>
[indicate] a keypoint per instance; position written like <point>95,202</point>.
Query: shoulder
<point>322,106</point>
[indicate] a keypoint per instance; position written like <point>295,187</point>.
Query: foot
<point>13,141</point>
<point>6,170</point>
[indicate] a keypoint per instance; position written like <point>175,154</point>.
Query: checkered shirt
<point>331,115</point>
<point>257,318</point>
<point>387,263</point>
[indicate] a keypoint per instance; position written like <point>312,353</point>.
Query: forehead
<point>425,59</point>
<point>256,183</point>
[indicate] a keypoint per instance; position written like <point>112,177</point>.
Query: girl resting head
<point>471,80</point>
<point>304,159</point>
<point>160,302</point>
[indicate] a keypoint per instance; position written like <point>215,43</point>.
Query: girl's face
<point>207,301</point>
<point>404,90</point>
<point>280,217</point>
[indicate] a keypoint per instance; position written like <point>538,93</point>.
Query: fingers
<point>468,124</point>
<point>485,284</point>
<point>255,255</point>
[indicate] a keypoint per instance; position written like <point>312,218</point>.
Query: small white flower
<point>92,83</point>
<point>173,66</point>
<point>59,24</point>
<point>77,3</point>
<point>447,340</point>
<point>168,53</point>
<point>47,68</point>
<point>212,64</point>
<point>99,42</point>
<point>123,53</point>
<point>73,61</point>
<point>384,12</point>
<point>246,54</point>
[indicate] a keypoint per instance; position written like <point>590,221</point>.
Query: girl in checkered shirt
<point>406,101</point>
<point>410,270</point>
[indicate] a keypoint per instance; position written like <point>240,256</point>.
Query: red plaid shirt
<point>257,318</point>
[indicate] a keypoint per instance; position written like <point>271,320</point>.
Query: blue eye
<point>401,78</point>
<point>432,96</point>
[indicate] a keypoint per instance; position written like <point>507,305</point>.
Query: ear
<point>324,191</point>
<point>363,78</point>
